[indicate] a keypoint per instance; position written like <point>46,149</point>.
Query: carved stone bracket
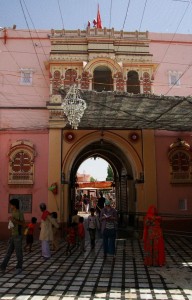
<point>55,99</point>
<point>57,118</point>
<point>56,114</point>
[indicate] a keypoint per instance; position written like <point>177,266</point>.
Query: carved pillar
<point>79,83</point>
<point>51,83</point>
<point>125,85</point>
<point>90,84</point>
<point>141,85</point>
<point>114,84</point>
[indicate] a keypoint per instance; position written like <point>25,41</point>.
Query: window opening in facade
<point>102,79</point>
<point>21,163</point>
<point>146,83</point>
<point>25,202</point>
<point>182,204</point>
<point>180,162</point>
<point>133,83</point>
<point>56,82</point>
<point>26,77</point>
<point>70,77</point>
<point>174,78</point>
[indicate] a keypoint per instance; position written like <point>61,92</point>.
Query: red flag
<point>99,24</point>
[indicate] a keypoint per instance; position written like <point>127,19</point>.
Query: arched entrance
<point>133,83</point>
<point>125,191</point>
<point>102,79</point>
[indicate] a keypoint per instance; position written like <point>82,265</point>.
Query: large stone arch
<point>117,151</point>
<point>111,137</point>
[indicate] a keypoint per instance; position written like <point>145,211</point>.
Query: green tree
<point>110,176</point>
<point>92,179</point>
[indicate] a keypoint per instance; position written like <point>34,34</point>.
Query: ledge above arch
<point>103,61</point>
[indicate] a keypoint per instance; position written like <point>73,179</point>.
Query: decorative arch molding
<point>21,163</point>
<point>120,143</point>
<point>180,162</point>
<point>103,61</point>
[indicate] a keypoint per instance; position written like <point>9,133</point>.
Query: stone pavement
<point>88,276</point>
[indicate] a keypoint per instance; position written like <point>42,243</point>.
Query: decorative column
<point>79,82</point>
<point>57,121</point>
<point>152,86</point>
<point>141,85</point>
<point>114,84</point>
<point>125,84</point>
<point>51,83</point>
<point>90,84</point>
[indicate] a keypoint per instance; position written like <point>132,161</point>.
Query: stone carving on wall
<point>55,99</point>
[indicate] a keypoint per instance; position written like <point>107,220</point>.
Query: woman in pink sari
<point>154,251</point>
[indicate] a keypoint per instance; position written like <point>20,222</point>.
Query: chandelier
<point>73,106</point>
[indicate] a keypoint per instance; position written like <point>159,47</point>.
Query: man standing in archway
<point>100,203</point>
<point>108,228</point>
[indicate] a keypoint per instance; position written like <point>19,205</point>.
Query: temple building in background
<point>136,86</point>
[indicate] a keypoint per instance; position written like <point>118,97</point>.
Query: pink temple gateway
<point>137,89</point>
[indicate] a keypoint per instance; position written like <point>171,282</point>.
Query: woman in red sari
<point>154,251</point>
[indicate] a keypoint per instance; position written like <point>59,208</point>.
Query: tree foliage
<point>110,175</point>
<point>92,179</point>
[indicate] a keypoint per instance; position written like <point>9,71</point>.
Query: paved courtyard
<point>88,276</point>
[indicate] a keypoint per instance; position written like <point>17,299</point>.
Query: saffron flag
<point>99,24</point>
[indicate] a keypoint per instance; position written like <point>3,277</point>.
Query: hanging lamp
<point>73,106</point>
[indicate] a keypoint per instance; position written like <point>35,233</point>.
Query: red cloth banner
<point>99,23</point>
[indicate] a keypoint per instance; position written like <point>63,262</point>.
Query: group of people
<point>48,232</point>
<point>106,221</point>
<point>85,203</point>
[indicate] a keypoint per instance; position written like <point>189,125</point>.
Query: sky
<point>173,16</point>
<point>168,16</point>
<point>96,168</point>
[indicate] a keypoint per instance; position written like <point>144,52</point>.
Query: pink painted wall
<point>24,115</point>
<point>21,51</point>
<point>39,190</point>
<point>170,194</point>
<point>171,52</point>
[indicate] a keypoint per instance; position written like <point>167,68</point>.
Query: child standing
<point>29,234</point>
<point>93,224</point>
<point>70,239</point>
<point>81,233</point>
<point>56,232</point>
<point>75,220</point>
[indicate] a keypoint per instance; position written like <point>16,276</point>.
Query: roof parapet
<point>99,32</point>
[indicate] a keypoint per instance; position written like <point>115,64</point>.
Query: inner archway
<point>125,193</point>
<point>102,79</point>
<point>133,83</point>
<point>94,179</point>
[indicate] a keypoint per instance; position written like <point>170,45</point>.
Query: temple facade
<point>137,88</point>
